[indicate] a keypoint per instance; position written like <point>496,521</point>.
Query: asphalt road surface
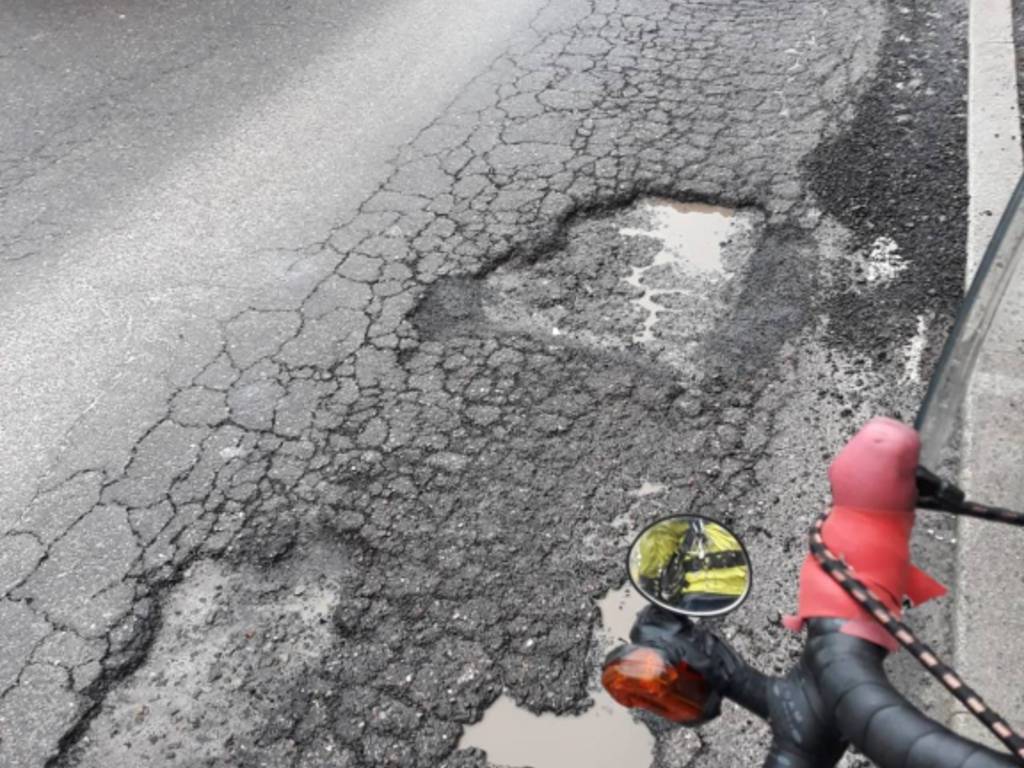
<point>339,338</point>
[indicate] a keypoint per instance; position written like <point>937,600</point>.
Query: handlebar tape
<point>876,719</point>
<point>785,757</point>
<point>804,734</point>
<point>748,688</point>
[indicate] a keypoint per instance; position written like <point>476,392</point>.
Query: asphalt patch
<point>898,170</point>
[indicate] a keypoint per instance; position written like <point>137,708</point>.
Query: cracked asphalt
<point>297,472</point>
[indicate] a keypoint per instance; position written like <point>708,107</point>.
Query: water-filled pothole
<point>605,736</point>
<point>690,260</point>
<point>659,273</point>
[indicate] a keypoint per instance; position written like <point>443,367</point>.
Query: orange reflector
<point>641,678</point>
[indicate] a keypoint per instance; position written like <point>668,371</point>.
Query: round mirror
<point>690,565</point>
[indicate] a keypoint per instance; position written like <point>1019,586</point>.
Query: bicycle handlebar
<point>858,570</point>
<point>873,716</point>
<point>836,695</point>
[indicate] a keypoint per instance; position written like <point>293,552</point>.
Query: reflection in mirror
<point>690,565</point>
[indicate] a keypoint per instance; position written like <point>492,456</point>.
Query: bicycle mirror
<point>690,565</point>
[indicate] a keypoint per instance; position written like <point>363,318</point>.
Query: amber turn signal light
<point>641,678</point>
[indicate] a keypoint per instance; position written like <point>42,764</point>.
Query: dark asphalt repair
<point>372,513</point>
<point>899,170</point>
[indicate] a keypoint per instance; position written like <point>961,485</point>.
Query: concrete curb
<point>990,580</point>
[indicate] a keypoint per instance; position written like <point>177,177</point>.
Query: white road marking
<point>913,351</point>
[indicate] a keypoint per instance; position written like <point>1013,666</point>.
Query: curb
<point>988,624</point>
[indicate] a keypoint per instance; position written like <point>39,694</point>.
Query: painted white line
<point>986,621</point>
<point>914,350</point>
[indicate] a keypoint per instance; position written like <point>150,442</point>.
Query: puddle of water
<point>618,610</point>
<point>688,283</point>
<point>605,736</point>
<point>692,235</point>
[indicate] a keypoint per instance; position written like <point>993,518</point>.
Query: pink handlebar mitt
<point>874,490</point>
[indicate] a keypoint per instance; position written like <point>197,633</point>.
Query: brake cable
<point>936,494</point>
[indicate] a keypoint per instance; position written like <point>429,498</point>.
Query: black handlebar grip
<point>786,757</point>
<point>804,734</point>
<point>876,719</point>
<point>749,688</point>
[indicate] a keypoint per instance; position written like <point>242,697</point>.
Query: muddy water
<point>605,736</point>
<point>692,233</point>
<point>659,273</point>
<point>618,610</point>
<point>692,237</point>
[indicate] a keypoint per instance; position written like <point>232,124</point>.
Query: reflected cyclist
<point>693,564</point>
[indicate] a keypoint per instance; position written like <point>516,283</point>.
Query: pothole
<point>229,641</point>
<point>692,234</point>
<point>692,237</point>
<point>659,273</point>
<point>605,736</point>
